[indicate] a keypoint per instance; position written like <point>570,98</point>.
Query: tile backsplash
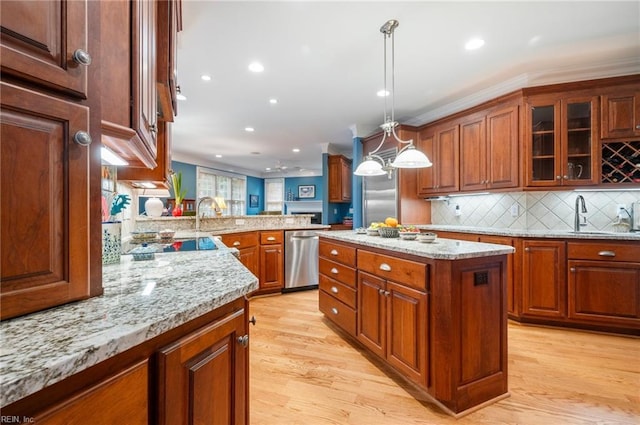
<point>540,210</point>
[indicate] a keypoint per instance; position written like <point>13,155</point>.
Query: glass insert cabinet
<point>561,138</point>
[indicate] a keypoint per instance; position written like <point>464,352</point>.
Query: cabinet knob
<point>253,320</point>
<point>386,293</point>
<point>638,127</point>
<point>82,138</point>
<point>334,289</point>
<point>381,291</point>
<point>334,310</point>
<point>527,249</point>
<point>243,340</point>
<point>334,252</point>
<point>153,128</point>
<point>565,177</point>
<point>385,267</point>
<point>607,253</point>
<point>572,269</point>
<point>81,57</point>
<point>334,270</point>
<point>558,177</point>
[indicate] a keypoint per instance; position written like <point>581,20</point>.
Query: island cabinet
<point>604,283</point>
<point>339,178</point>
<point>271,261</point>
<point>393,312</point>
<point>247,245</point>
<point>337,284</point>
<point>49,168</point>
<point>438,322</point>
<point>441,144</point>
<point>544,289</point>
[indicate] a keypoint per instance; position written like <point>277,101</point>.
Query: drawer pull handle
<point>334,252</point>
<point>385,267</point>
<point>386,293</point>
<point>236,243</point>
<point>271,238</point>
<point>572,269</point>
<point>334,289</point>
<point>607,254</point>
<point>381,291</point>
<point>334,310</point>
<point>334,270</point>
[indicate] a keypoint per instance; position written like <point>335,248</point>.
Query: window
<point>230,187</point>
<point>274,195</point>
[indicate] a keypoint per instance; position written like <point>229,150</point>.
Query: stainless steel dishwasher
<point>300,260</point>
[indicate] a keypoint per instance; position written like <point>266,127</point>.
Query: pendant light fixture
<point>408,156</point>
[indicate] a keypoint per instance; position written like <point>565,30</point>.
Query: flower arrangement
<point>178,192</point>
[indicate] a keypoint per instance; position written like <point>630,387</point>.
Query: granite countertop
<point>441,249</point>
<point>142,299</point>
<point>568,234</point>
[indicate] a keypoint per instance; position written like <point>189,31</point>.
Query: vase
<point>177,211</point>
<point>111,242</point>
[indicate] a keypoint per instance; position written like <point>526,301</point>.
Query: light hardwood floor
<point>303,372</point>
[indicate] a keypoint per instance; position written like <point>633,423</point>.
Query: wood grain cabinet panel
<point>339,178</point>
<point>502,148</point>
<point>202,378</point>
<point>473,153</point>
<point>247,245</point>
<point>441,144</point>
<point>271,261</point>
<point>39,39</point>
<point>45,207</point>
<point>621,114</point>
<point>544,287</point>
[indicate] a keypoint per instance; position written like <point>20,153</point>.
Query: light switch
<point>514,210</point>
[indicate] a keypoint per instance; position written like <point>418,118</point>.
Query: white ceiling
<point>324,63</point>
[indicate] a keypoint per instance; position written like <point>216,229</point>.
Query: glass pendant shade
<point>369,167</point>
<point>411,158</point>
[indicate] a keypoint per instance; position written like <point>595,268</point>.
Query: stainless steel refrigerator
<point>380,194</point>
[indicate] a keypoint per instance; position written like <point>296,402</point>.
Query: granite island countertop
<point>142,299</point>
<point>525,233</point>
<point>440,249</point>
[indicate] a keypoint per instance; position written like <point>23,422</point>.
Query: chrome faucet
<point>204,198</point>
<point>577,222</point>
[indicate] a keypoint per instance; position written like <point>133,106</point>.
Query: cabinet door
<point>38,42</point>
<point>579,135</point>
<point>144,72</point>
<point>512,294</point>
<point>604,292</point>
<point>271,265</point>
<point>345,168</point>
<point>473,154</point>
<point>339,179</point>
<point>426,176</point>
<point>544,291</point>
<point>502,148</point>
<point>249,258</point>
<point>44,220</point>
<point>407,316</point>
<point>448,157</point>
<point>621,114</point>
<point>542,142</point>
<point>372,312</point>
<point>202,378</point>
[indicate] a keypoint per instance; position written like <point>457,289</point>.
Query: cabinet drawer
<point>408,272</point>
<point>609,251</point>
<point>240,240</point>
<point>337,312</point>
<point>337,290</point>
<point>271,237</point>
<point>337,271</point>
<point>338,252</point>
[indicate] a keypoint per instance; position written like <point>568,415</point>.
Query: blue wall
<point>255,186</point>
<point>356,185</point>
<point>188,178</point>
<point>292,183</point>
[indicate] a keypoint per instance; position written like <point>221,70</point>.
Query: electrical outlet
<point>335,211</point>
<point>288,221</point>
<point>514,210</point>
<point>458,211</point>
<point>239,221</point>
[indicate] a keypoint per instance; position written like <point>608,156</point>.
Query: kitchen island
<point>435,312</point>
<point>159,326</point>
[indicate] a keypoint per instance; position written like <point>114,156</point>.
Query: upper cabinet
<point>45,43</point>
<point>621,113</point>
<point>169,24</point>
<point>441,144</point>
<point>339,179</point>
<point>561,140</point>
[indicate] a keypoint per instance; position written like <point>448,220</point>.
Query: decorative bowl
<point>409,236</point>
<point>372,232</point>
<point>167,234</point>
<point>361,231</point>
<point>427,237</point>
<point>143,236</point>
<point>143,253</point>
<point>388,232</point>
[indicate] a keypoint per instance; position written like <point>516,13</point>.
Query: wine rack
<point>621,162</point>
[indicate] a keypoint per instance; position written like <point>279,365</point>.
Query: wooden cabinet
<point>489,150</point>
<point>337,284</point>
<point>169,24</point>
<point>247,245</point>
<point>202,377</point>
<point>621,113</point>
<point>271,261</point>
<point>48,172</point>
<point>393,315</point>
<point>604,283</point>
<point>561,140</point>
<point>544,288</point>
<point>513,290</point>
<point>441,145</point>
<point>339,179</point>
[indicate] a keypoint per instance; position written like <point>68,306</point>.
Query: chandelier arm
<point>384,137</point>
<point>406,142</point>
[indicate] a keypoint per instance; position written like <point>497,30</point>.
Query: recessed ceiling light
<point>256,67</point>
<point>180,96</point>
<point>218,155</point>
<point>295,150</point>
<point>268,169</point>
<point>249,129</point>
<point>273,101</point>
<point>383,93</point>
<point>474,43</point>
<point>205,77</point>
